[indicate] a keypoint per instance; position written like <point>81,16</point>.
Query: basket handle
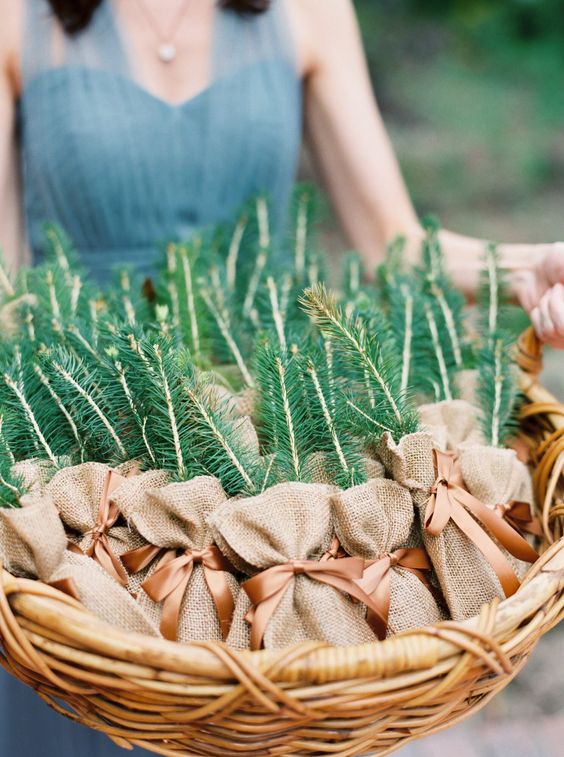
<point>529,352</point>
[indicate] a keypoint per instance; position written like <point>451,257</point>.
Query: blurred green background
<point>471,91</point>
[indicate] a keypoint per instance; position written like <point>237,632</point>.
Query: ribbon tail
<point>377,609</point>
<point>138,559</point>
<point>104,556</point>
<point>493,554</point>
<point>67,586</point>
<point>171,609</point>
<point>261,615</point>
<point>222,598</point>
<point>511,540</point>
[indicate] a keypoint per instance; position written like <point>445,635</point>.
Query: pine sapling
<point>372,360</point>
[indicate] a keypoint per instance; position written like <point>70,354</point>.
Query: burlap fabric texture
<point>375,521</point>
<point>188,587</point>
<point>284,532</point>
<point>83,496</point>
<point>466,576</point>
<point>33,544</point>
<point>451,423</point>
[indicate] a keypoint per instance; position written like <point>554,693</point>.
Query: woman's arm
<point>357,163</point>
<point>11,230</point>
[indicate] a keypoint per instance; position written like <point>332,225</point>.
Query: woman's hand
<point>542,295</point>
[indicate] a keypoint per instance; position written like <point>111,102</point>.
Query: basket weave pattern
<point>206,699</point>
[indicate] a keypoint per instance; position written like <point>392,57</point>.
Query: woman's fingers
<point>554,264</point>
<point>548,317</point>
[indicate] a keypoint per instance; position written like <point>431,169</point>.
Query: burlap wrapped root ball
<point>466,576</point>
<point>33,544</point>
<point>288,523</point>
<point>375,521</point>
<point>83,496</point>
<point>188,587</point>
<point>451,423</point>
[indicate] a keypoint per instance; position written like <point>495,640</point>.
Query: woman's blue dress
<point>123,170</point>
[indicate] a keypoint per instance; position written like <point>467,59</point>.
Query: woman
<point>130,121</point>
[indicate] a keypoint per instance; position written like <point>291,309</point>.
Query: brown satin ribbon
<point>520,516</point>
<point>335,551</point>
<point>266,589</point>
<point>450,501</point>
<point>169,582</point>
<point>376,582</point>
<point>67,586</point>
<point>100,549</point>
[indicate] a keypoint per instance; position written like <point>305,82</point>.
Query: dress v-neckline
<point>130,73</point>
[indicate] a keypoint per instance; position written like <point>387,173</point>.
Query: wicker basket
<point>205,699</point>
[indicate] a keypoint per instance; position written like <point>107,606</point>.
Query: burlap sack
<point>33,545</point>
<point>451,423</point>
<point>373,521</point>
<point>173,518</point>
<point>103,596</point>
<point>32,538</point>
<point>35,474</point>
<point>497,477</point>
<point>289,522</point>
<point>78,496</point>
<point>466,577</point>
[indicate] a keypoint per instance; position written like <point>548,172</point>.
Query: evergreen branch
<point>65,372</point>
<point>300,247</point>
<point>276,312</point>
<point>60,405</point>
<point>371,359</point>
<point>497,392</point>
<point>4,444</point>
<point>407,347</point>
<point>225,331</point>
<point>263,223</point>
<point>450,322</point>
<point>181,467</point>
<point>233,252</point>
<point>438,351</point>
<point>368,418</point>
<point>113,355</point>
<point>221,439</point>
<point>254,281</point>
<point>76,289</point>
<point>5,283</point>
<point>17,389</point>
<point>53,300</point>
<point>195,342</point>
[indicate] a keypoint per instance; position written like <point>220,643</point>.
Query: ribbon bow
<point>169,582</point>
<point>450,501</point>
<point>100,549</point>
<point>266,589</point>
<point>520,516</point>
<point>376,582</point>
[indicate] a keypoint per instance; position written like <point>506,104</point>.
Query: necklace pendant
<point>167,52</point>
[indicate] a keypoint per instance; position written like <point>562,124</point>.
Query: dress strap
<point>45,45</point>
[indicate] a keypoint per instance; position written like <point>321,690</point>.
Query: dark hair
<point>75,15</point>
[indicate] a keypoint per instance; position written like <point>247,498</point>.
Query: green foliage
<point>287,434</point>
<point>373,362</point>
<point>498,393</point>
<point>326,400</point>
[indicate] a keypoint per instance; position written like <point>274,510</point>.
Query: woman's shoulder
<point>11,34</point>
<point>318,25</point>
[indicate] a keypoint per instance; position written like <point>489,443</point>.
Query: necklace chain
<point>166,49</point>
